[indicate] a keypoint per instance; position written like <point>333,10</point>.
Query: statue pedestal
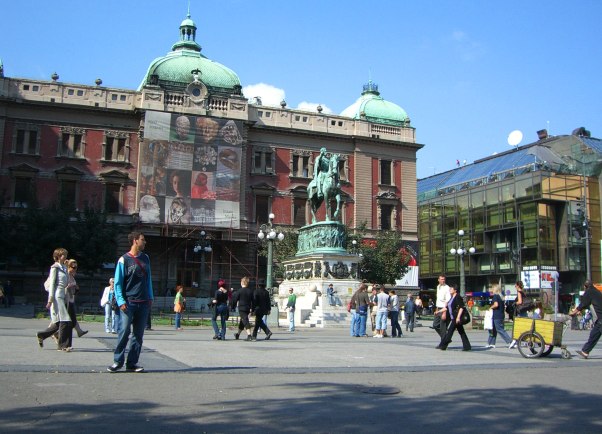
<point>321,259</point>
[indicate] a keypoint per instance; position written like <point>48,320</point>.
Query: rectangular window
<point>299,211</point>
<point>72,145</point>
<point>262,209</point>
<point>26,142</point>
<point>300,166</point>
<point>68,195</point>
<point>263,161</point>
<point>112,194</point>
<point>115,149</point>
<point>385,217</point>
<point>23,192</point>
<point>385,172</point>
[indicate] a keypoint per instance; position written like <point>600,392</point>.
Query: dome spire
<point>371,88</point>
<point>187,35</point>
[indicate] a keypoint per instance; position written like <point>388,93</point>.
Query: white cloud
<point>468,49</point>
<point>270,95</point>
<point>312,107</point>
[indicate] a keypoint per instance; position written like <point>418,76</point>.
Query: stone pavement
<point>306,350</point>
<point>318,380</point>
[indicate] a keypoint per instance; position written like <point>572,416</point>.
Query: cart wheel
<point>547,350</point>
<point>531,344</point>
<point>566,354</point>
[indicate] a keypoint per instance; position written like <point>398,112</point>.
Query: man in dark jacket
<point>410,312</point>
<point>591,297</point>
<point>243,298</point>
<point>263,306</point>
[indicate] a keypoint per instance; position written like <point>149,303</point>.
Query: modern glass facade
<point>525,216</point>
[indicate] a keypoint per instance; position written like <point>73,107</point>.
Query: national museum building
<point>196,165</point>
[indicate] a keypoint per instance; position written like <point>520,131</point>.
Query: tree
<point>383,261</point>
<point>283,250</point>
<point>87,235</point>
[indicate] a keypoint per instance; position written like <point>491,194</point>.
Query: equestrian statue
<point>325,187</point>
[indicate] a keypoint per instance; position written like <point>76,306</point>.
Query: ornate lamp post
<point>268,233</point>
<point>202,246</point>
<point>462,247</point>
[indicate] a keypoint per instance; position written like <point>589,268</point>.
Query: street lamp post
<point>268,233</point>
<point>462,247</point>
<point>203,246</point>
<point>356,251</point>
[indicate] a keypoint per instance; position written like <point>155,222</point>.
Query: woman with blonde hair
<point>72,289</point>
<point>497,306</point>
<point>57,303</point>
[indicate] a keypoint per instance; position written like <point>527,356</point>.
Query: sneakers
<point>134,368</point>
<point>40,341</point>
<point>512,344</point>
<point>251,338</point>
<point>215,338</point>
<point>489,346</point>
<point>268,336</point>
<point>114,367</point>
<point>82,333</point>
<point>236,335</point>
<point>583,355</point>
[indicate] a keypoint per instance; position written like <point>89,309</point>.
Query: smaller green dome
<point>373,108</point>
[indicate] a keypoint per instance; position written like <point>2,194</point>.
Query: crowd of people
<point>128,298</point>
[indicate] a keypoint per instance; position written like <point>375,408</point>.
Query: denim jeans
<point>498,328</point>
<point>221,310</point>
<point>132,320</point>
<point>178,319</point>
<point>352,325</point>
<point>360,324</point>
<point>110,319</point>
<point>291,320</point>
<point>395,327</point>
<point>381,320</point>
<point>331,300</point>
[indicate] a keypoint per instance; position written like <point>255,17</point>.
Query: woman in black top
<point>220,308</point>
<point>243,298</point>
<point>455,306</point>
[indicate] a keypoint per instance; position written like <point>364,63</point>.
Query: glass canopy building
<point>531,213</point>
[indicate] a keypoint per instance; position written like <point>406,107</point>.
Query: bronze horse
<point>330,188</point>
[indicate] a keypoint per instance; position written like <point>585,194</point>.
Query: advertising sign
<point>190,168</point>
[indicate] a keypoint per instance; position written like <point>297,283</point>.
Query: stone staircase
<point>326,316</point>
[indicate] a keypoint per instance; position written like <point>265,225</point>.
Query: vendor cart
<point>538,337</point>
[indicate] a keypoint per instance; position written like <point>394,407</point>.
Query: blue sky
<point>466,72</point>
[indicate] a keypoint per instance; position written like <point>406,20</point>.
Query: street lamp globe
<point>280,236</point>
<point>461,232</point>
<point>452,251</point>
<point>472,250</point>
<point>272,234</point>
<point>261,235</point>
<point>271,216</point>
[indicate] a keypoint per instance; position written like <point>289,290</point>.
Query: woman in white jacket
<point>57,303</point>
<point>111,317</point>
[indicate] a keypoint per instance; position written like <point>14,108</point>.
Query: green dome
<point>373,108</point>
<point>174,70</point>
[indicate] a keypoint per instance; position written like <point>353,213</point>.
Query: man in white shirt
<point>441,316</point>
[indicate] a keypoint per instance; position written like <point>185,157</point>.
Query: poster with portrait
<point>190,169</point>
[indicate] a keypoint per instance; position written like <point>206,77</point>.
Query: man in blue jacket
<point>134,294</point>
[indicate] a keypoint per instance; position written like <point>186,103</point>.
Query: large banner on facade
<point>189,170</point>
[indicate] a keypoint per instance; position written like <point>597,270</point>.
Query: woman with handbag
<point>179,306</point>
<point>57,303</point>
<point>455,309</point>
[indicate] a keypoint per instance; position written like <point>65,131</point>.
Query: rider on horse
<point>320,171</point>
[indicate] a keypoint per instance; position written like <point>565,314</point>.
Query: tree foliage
<point>34,234</point>
<point>383,262</point>
<point>283,250</point>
